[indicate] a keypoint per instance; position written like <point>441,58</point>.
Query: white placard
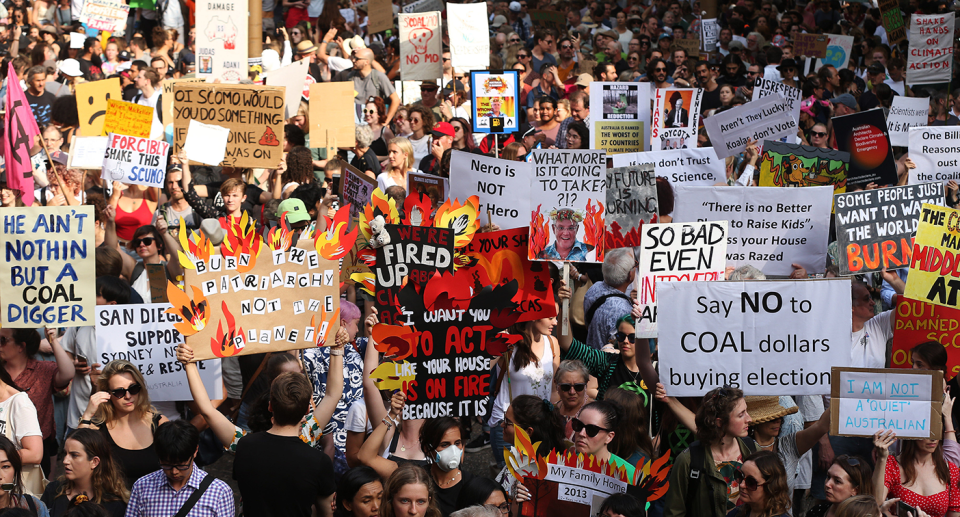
<point>766,338</point>
<point>770,227</point>
<point>931,48</point>
<point>696,167</point>
<point>709,30</point>
<point>765,88</point>
<point>839,49</point>
<point>676,116</point>
<point>206,143</point>
<point>105,15</point>
<point>677,252</point>
<point>135,160</point>
<point>421,46</point>
<point>292,77</point>
<point>469,37</point>
<point>906,113</point>
<point>222,40</point>
<point>936,152</point>
<point>766,119</point>
<point>502,186</point>
<point>144,335</point>
<point>87,152</point>
<point>621,116</point>
<point>897,400</point>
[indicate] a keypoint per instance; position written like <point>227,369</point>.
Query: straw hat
<point>765,409</point>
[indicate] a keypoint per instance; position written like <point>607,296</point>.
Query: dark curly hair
<point>299,166</point>
<point>530,412</point>
<point>717,404</point>
<point>581,129</point>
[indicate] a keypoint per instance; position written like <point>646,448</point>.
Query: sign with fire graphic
<point>261,295</point>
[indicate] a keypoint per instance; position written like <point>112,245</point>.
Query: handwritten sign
<point>222,41</point>
<point>104,15</point>
<point>931,48</point>
<point>49,274</point>
<point>169,99</point>
<point>501,185</point>
<point>127,118</point>
<point>934,267</point>
<point>420,46</point>
<point>918,322</point>
<point>631,202</point>
<point>469,33</point>
<point>868,400</point>
<point>892,20</point>
<point>415,252</point>
<point>768,118</point>
<point>810,45</point>
<point>135,160</point>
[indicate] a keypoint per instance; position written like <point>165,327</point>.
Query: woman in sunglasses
<point>848,476</point>
<point>375,116</point>
<point>401,123</point>
<point>89,470</point>
<point>571,380</point>
<point>763,487</point>
<point>620,370</point>
<point>121,410</point>
<point>595,429</point>
<point>152,244</point>
<point>819,136</point>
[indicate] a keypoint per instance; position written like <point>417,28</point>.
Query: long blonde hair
<point>406,148</point>
<point>104,413</point>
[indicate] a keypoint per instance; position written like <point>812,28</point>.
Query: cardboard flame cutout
<point>540,235</point>
<point>320,331</point>
<point>227,343</point>
<point>242,239</point>
<point>198,246</point>
<point>336,242</point>
<point>593,228</point>
<point>463,219</point>
<point>280,238</point>
<point>193,313</point>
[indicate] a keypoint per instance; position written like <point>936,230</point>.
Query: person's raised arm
<point>222,427</point>
<point>369,453</point>
<point>563,294</point>
<point>174,269</point>
<point>683,413</point>
<point>65,368</point>
<point>641,350</point>
<point>331,398</point>
<point>371,359</point>
<point>329,37</point>
<point>111,240</point>
<point>394,106</point>
<point>882,441</point>
<point>192,193</point>
<point>808,437</point>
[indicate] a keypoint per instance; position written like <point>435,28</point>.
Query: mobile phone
<point>904,509</point>
<point>82,359</point>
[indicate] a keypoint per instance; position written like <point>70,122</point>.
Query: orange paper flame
<point>394,341</point>
<point>225,344</point>
<point>461,218</point>
<point>198,247</point>
<point>593,228</point>
<point>539,234</point>
<point>417,209</point>
<point>280,238</point>
<point>242,239</point>
<point>336,242</point>
<point>193,313</point>
<point>319,332</point>
<point>380,204</point>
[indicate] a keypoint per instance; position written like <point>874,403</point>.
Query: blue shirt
<point>577,254</point>
<point>152,496</point>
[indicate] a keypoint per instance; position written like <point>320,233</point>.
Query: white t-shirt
<point>869,345</point>
<point>156,129</point>
<point>357,418</point>
<point>20,413</point>
<point>421,147</point>
<point>80,341</point>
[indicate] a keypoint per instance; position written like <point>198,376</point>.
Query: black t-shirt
<point>868,100</point>
<point>367,162</point>
<point>41,106</point>
<point>58,506</point>
<point>281,475</point>
<point>710,100</point>
<point>447,497</point>
<point>89,68</point>
<point>622,375</point>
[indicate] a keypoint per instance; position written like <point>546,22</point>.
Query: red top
<point>128,222</point>
<point>937,505</point>
<point>38,379</point>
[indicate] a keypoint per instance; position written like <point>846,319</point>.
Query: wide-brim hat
<point>765,409</point>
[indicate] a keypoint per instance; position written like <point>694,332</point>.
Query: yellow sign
<point>935,264</point>
<point>92,100</point>
<point>620,137</point>
<point>127,118</point>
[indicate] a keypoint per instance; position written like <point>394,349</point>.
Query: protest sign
<point>222,40</point>
<point>127,118</point>
<point>875,227</point>
<point>548,19</point>
<point>677,252</point>
<point>496,100</point>
<point>766,338</point>
<point>145,335</point>
<point>502,186</point>
<point>21,131</point>
<point>104,15</point>
<point>868,400</point>
<point>92,100</point>
<point>864,135</point>
<point>691,46</point>
<point>49,275</point>
<point>623,115</point>
<point>169,97</point>
<point>709,30</point>
<point>839,50</point>
<point>422,6</point>
<point>931,48</point>
<point>87,152</point>
<point>356,189</point>
<point>292,78</point>
<point>414,253</point>
<point>569,189</point>
<point>469,35</point>
<point>135,161</point>
<point>696,167</point>
<point>770,227</point>
<point>434,187</point>
<point>906,113</point>
<point>936,154</point>
<point>206,143</point>
<point>631,202</point>
<point>934,266</point>
<point>918,322</point>
<point>421,45</point>
<point>810,45</point>
<point>676,116</point>
<point>380,15</point>
<point>794,165</point>
<point>253,114</point>
<point>768,118</point>
<point>892,20</point>
<point>333,123</point>
<point>765,88</point>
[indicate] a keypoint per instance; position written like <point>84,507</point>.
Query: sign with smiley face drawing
<point>92,100</point>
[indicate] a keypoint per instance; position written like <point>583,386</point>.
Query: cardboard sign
<point>253,114</point>
<point>421,45</point>
<point>104,15</point>
<point>934,268</point>
<point>623,115</point>
<point>434,187</point>
<point>569,188</point>
<point>766,338</point>
<point>677,252</point>
<point>864,135</point>
<point>469,34</point>
<point>892,20</point>
<point>92,98</point>
<point>501,185</point>
<point>222,41</point>
<point>794,165</point>
<point>127,118</point>
<point>422,6</point>
<point>333,122</point>
<point>906,113</point>
<point>694,167</point>
<point>631,202</point>
<point>145,335</point>
<point>875,227</point>
<point>356,189</point>
<point>380,16</point>
<point>548,19</point>
<point>766,119</point>
<point>292,78</point>
<point>415,252</point>
<point>867,400</point>
<point>49,273</point>
<point>691,46</point>
<point>770,228</point>
<point>918,322</point>
<point>810,45</point>
<point>496,101</point>
<point>157,276</point>
<point>931,48</point>
<point>839,50</point>
<point>765,88</point>
<point>934,152</point>
<point>135,161</point>
<point>676,117</point>
<point>87,152</point>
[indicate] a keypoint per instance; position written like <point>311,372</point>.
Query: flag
<point>20,132</point>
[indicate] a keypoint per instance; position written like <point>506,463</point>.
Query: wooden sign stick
<point>565,322</point>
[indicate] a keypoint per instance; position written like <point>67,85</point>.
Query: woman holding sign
<point>919,476</point>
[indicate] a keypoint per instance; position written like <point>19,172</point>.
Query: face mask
<point>449,458</point>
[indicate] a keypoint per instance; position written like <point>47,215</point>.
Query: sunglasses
<point>523,56</point>
<point>748,482</point>
<point>659,69</point>
<point>369,112</point>
<point>578,386</point>
<point>626,337</point>
<point>514,40</point>
<point>446,59</point>
<point>853,462</point>
<point>147,241</point>
<point>120,393</point>
<point>591,430</point>
<point>566,47</point>
<point>817,133</point>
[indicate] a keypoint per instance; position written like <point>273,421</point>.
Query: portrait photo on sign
<point>494,101</point>
<point>676,116</point>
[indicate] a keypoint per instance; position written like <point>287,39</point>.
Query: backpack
<point>697,477</point>
<point>599,303</point>
<point>158,109</point>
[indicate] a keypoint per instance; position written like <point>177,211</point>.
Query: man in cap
<point>516,20</point>
<point>844,105</point>
<point>601,40</point>
<point>877,74</point>
<point>443,134</point>
<point>429,99</point>
<point>296,213</point>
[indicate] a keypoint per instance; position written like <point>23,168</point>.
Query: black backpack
<point>588,317</point>
<point>697,477</point>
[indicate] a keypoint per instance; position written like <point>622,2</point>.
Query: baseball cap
<point>876,68</point>
<point>295,209</point>
<point>443,129</point>
<point>846,99</point>
<point>498,20</point>
<point>515,7</point>
<point>584,80</point>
